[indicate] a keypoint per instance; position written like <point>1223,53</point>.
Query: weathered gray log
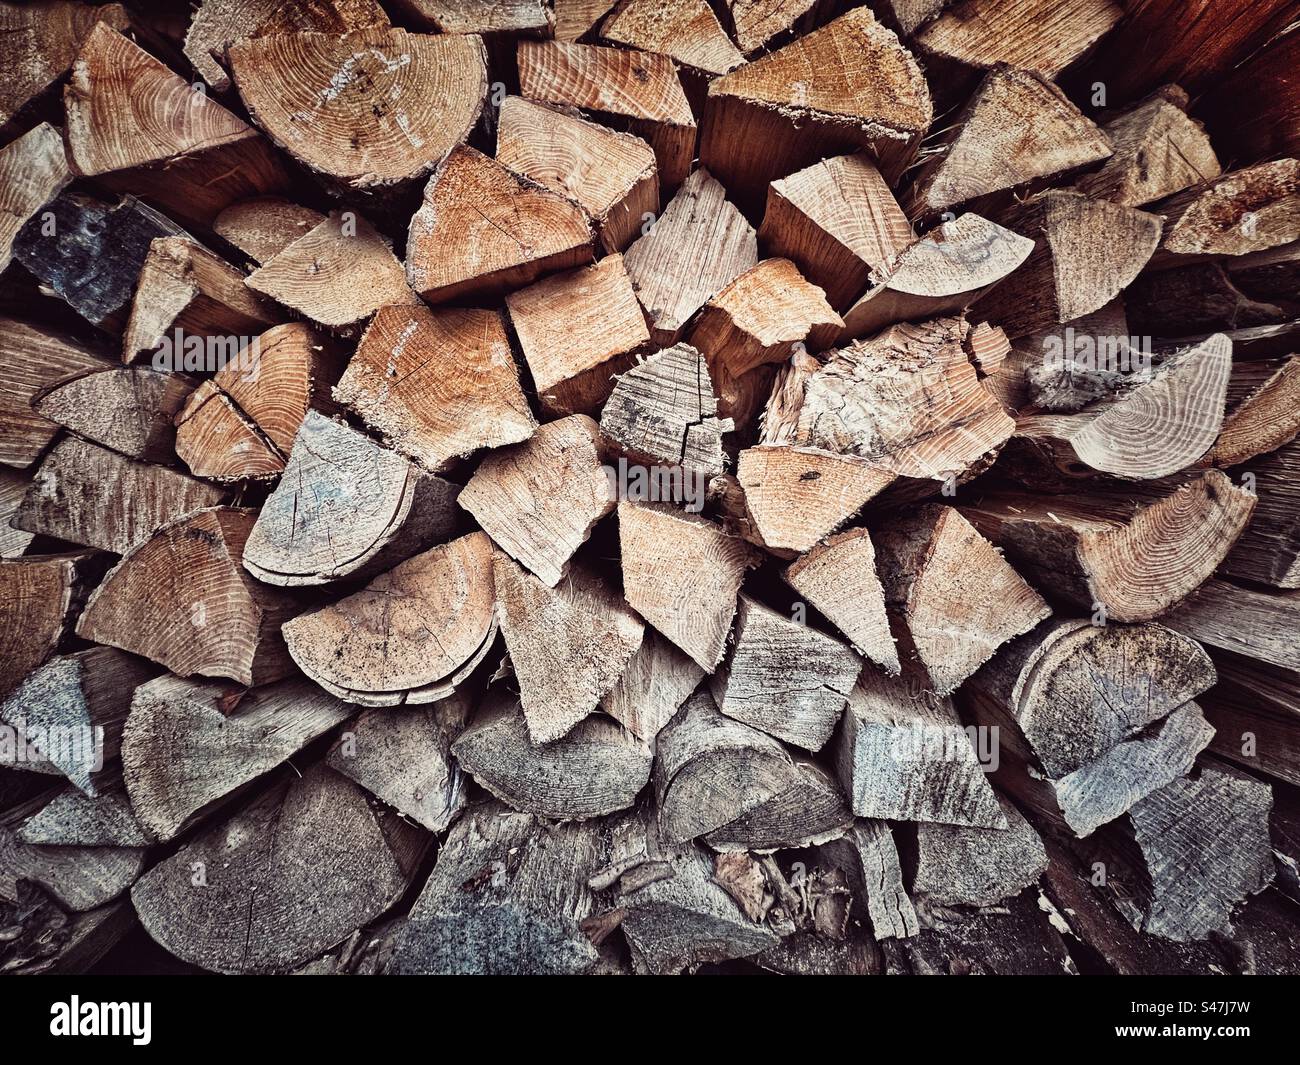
<point>808,811</point>
<point>869,853</point>
<point>964,866</point>
<point>657,680</point>
<point>72,819</point>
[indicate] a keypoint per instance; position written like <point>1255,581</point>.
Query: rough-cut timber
<point>657,680</point>
<point>957,865</point>
<point>33,170</point>
<point>1271,128</point>
<point>808,810</point>
<point>41,597</point>
<point>686,30</point>
<point>1247,621</point>
<point>1253,711</point>
<point>1269,549</point>
<point>755,22</point>
<point>264,226</point>
<point>72,819</point>
<point>869,855</point>
<point>531,17</point>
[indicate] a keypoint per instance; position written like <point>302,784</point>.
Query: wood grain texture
<point>33,170</point>
<point>657,680</point>
<point>958,865</point>
<point>42,595</point>
<point>686,30</point>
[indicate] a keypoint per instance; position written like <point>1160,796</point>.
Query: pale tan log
<point>1236,213</point>
<point>482,229</point>
<point>575,18</point>
<point>686,30</point>
<point>658,679</point>
<point>33,170</point>
<point>263,227</point>
<point>528,17</point>
<point>1072,365</point>
<point>437,385</point>
<point>39,598</point>
<point>756,22</point>
<point>837,221</point>
<point>612,176</point>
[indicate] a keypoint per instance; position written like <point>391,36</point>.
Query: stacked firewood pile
<point>581,487</point>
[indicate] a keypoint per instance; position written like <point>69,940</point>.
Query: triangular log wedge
<point>382,106</point>
<point>539,500</point>
<point>686,30</point>
<point>850,84</point>
<point>119,131</point>
<point>958,865</point>
<point>345,507</point>
<point>261,910</point>
<point>182,599</point>
<point>1134,558</point>
<point>637,90</point>
<point>682,574</point>
<point>953,598</point>
<point>33,170</point>
<point>186,749</point>
<point>755,22</point>
<point>838,577</point>
<point>902,755</point>
<point>603,766</point>
<point>942,273</point>
<point>574,18</point>
<point>700,245</point>
<point>810,811</point>
<point>90,495</point>
<point>184,289</point>
<point>40,596</point>
<point>13,486</point>
<point>612,176</point>
<point>568,644</point>
<point>1069,366</point>
<point>838,221</point>
<point>437,385</point>
<point>264,226</point>
<point>1269,549</point>
<point>410,636</point>
<point>658,679</point>
<point>577,330</point>
<point>72,819</point>
<point>1152,431</point>
<point>483,229</point>
<point>337,274</point>
<point>532,18</point>
<point>784,677</point>
<point>1017,128</point>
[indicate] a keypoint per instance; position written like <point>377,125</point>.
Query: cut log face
<point>41,595</point>
<point>373,647</point>
<point>574,18</point>
<point>784,677</point>
<point>903,755</point>
<point>682,574</point>
<point>1153,431</point>
<point>837,221</point>
<point>532,17</point>
<point>339,273</point>
<point>121,128</point>
<point>639,89</point>
<point>603,767</point>
<point>182,599</point>
<point>386,106</point>
<point>1071,366</point>
<point>33,170</point>
<point>755,22</point>
<point>943,272</point>
<point>438,385</point>
<point>577,329</point>
<point>483,229</point>
<point>963,866</point>
<point>700,245</point>
<point>1234,214</point>
<point>345,507</point>
<point>72,819</point>
<point>568,644</point>
<point>839,578</point>
<point>184,752</point>
<point>13,486</point>
<point>264,226</point>
<point>657,680</point>
<point>540,500</point>
<point>1017,128</point>
<point>1134,559</point>
<point>261,910</point>
<point>686,30</point>
<point>89,495</point>
<point>809,811</point>
<point>1269,549</point>
<point>847,85</point>
<point>612,176</point>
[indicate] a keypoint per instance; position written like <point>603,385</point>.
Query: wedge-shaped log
<point>808,811</point>
<point>264,226</point>
<point>1235,213</point>
<point>686,30</point>
<point>870,858</point>
<point>73,819</point>
<point>958,865</point>
<point>33,170</point>
<point>657,680</point>
<point>40,596</point>
<point>488,17</point>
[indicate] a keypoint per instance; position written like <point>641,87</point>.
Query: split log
<point>848,85</point>
<point>637,90</point>
<point>130,409</point>
<point>33,359</point>
<point>261,909</point>
<point>42,595</point>
<point>383,106</point>
<point>870,856</point>
<point>1285,832</point>
<point>808,811</point>
<point>531,17</point>
<point>568,644</point>
<point>33,170</point>
<point>84,695</point>
<point>595,769</point>
<point>539,500</point>
<point>784,677</point>
<point>89,495</point>
<point>263,227</point>
<point>575,18</point>
<point>942,273</point>
<point>1085,252</point>
<point>838,576</point>
<point>1017,129</point>
<point>903,755</point>
<point>664,410</point>
<point>50,941</point>
<point>345,507</point>
<point>1152,431</point>
<point>700,245</point>
<point>1199,296</point>
<point>1135,558</point>
<point>612,176</point>
<point>13,486</point>
<point>1246,621</point>
<point>957,865</point>
<point>184,289</point>
<point>657,680</point>
<point>437,385</point>
<point>686,30</point>
<point>682,574</point>
<point>1254,711</point>
<point>756,22</point>
<point>339,273</point>
<point>373,647</point>
<point>72,819</point>
<point>837,221</point>
<point>182,599</point>
<point>577,330</point>
<point>1075,364</point>
<point>952,598</point>
<point>118,131</point>
<point>1269,549</point>
<point>483,229</point>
